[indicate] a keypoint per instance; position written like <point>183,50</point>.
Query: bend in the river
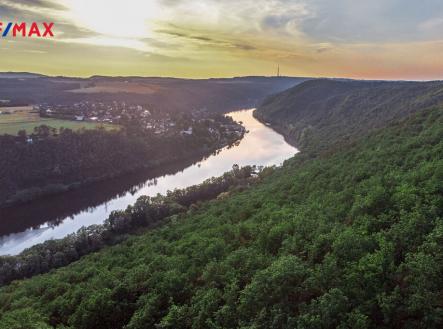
<point>262,146</point>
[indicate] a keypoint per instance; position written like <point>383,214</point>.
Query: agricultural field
<point>14,119</point>
<point>121,86</point>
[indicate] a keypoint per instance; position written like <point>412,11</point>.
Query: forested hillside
<point>53,160</point>
<point>316,113</point>
<point>352,238</point>
<point>165,94</point>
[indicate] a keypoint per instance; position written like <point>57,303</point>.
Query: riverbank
<point>101,156</point>
<point>34,194</point>
<point>282,130</point>
<point>51,210</point>
<point>145,214</point>
<point>58,216</point>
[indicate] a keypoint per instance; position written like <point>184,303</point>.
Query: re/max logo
<point>27,30</point>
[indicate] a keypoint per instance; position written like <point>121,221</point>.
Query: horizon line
<point>215,77</point>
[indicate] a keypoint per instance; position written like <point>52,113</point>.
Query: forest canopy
<point>348,239</point>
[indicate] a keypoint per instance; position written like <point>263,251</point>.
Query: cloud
<point>370,21</point>
<point>203,40</point>
<point>347,21</point>
<point>244,46</point>
<point>43,11</point>
<point>322,49</point>
<point>39,8</point>
<point>307,37</point>
<point>157,57</point>
<point>159,44</point>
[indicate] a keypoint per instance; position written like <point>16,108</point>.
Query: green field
<point>24,118</point>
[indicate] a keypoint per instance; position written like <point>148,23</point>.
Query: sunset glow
<point>209,38</point>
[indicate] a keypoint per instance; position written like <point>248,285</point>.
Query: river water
<point>55,217</point>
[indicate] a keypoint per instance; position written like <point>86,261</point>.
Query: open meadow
<point>14,119</point>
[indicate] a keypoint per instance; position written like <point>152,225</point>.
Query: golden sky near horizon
<point>378,39</point>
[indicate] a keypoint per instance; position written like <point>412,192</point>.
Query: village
<point>144,117</point>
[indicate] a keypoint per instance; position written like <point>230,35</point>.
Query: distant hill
<point>170,94</point>
<point>322,111</point>
<point>19,75</point>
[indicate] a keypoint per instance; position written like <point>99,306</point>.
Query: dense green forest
<point>147,212</point>
<point>316,113</point>
<point>50,161</point>
<point>349,238</point>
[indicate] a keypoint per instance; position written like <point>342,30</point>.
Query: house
<point>187,132</point>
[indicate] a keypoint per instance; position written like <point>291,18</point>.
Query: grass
<point>25,118</point>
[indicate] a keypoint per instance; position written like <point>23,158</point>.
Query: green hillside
<point>315,114</point>
<point>352,238</point>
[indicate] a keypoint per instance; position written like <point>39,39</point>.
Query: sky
<point>369,39</point>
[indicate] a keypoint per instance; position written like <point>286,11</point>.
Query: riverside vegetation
<point>146,212</point>
<point>317,113</point>
<point>348,237</point>
<point>51,160</point>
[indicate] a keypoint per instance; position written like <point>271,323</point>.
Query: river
<point>55,217</point>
